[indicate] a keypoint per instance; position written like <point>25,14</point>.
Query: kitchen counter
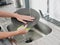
<point>51,39</point>
<point>8,8</point>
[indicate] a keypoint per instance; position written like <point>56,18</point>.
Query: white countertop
<point>9,8</point>
<point>51,39</point>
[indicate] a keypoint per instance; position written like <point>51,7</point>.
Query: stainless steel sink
<point>27,38</point>
<point>37,32</point>
<point>43,28</point>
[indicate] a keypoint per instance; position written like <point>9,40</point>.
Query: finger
<point>32,17</point>
<point>23,21</point>
<point>26,26</point>
<point>28,19</point>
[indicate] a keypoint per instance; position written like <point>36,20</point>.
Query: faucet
<point>18,3</point>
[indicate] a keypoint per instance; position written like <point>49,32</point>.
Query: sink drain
<point>29,40</point>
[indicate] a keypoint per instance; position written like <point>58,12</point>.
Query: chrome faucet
<point>18,3</point>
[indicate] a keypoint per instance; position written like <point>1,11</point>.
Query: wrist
<point>16,33</point>
<point>16,15</point>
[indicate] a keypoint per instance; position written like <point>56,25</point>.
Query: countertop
<point>51,39</point>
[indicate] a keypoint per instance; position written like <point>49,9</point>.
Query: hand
<point>24,17</point>
<point>21,30</point>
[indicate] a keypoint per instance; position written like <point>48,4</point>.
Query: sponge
<point>22,26</point>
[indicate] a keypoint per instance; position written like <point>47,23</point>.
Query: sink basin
<point>27,38</point>
<point>37,32</point>
<point>31,36</point>
<point>43,28</point>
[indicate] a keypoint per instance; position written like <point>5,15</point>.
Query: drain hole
<point>29,40</point>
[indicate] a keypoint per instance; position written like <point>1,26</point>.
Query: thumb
<point>25,26</point>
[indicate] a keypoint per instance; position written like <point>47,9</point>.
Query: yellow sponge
<point>23,26</point>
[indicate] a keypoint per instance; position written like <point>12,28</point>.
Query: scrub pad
<point>22,26</point>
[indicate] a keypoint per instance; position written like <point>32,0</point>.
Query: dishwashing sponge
<point>22,26</point>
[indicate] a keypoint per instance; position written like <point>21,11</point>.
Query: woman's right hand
<point>22,30</point>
